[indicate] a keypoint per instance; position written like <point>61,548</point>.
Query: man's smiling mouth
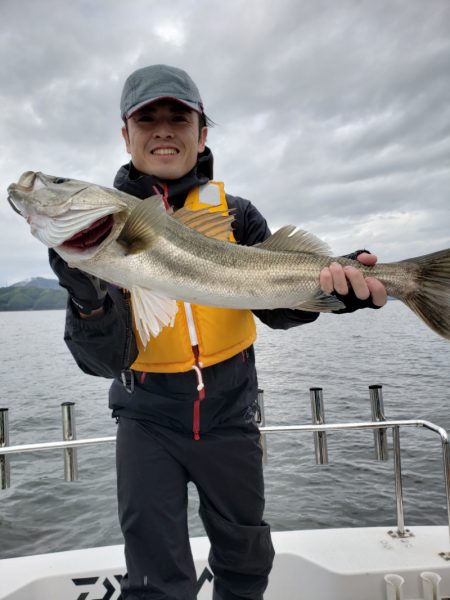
<point>164,151</point>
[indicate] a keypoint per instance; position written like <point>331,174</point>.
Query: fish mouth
<point>90,237</point>
<point>29,182</point>
<point>16,207</point>
<point>24,185</point>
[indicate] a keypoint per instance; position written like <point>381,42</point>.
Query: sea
<point>342,354</point>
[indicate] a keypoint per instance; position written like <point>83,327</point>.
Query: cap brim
<point>192,105</point>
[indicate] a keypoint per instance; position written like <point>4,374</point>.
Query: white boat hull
<point>332,564</point>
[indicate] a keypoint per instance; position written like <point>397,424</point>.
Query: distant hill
<point>38,282</point>
<point>36,293</point>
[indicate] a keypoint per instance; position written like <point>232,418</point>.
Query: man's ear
<point>126,137</point>
<point>202,139</point>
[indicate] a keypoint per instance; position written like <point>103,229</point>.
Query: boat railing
<point>319,428</point>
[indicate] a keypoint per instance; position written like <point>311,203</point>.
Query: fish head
<point>74,217</point>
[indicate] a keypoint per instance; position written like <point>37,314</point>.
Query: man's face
<point>163,139</point>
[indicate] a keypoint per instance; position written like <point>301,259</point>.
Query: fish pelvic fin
<point>430,298</point>
<point>321,302</point>
<point>152,311</point>
<point>143,226</point>
<point>212,224</point>
<point>291,239</point>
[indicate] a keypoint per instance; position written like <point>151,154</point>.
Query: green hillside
<point>32,298</point>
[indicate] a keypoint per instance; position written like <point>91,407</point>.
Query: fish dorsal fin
<point>212,224</point>
<point>291,239</point>
<point>143,226</point>
<point>152,311</point>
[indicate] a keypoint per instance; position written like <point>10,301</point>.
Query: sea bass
<point>187,256</point>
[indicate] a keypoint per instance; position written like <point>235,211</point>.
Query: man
<point>185,403</point>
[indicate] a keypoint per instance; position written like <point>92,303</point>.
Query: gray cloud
<point>330,115</point>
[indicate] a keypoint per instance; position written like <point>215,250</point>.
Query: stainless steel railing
<point>318,418</point>
<point>4,442</point>
<point>395,426</point>
<point>377,407</point>
<point>69,434</point>
<point>70,444</point>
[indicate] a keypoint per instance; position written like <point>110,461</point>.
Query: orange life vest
<point>215,334</point>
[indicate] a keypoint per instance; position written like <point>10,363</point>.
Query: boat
<point>387,562</point>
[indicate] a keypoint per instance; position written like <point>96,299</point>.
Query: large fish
<point>160,257</point>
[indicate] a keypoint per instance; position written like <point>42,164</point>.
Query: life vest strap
<point>200,397</point>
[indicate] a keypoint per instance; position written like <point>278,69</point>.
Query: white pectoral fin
<point>152,311</point>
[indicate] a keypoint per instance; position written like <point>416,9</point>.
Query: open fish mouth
<point>91,236</point>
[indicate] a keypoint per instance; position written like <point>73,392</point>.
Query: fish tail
<point>430,298</point>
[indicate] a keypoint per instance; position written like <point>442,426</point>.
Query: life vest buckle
<point>127,378</point>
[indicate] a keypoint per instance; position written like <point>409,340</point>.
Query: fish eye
<point>60,180</point>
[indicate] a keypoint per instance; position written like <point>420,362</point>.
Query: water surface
<point>344,354</point>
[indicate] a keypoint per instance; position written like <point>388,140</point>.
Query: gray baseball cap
<point>158,82</point>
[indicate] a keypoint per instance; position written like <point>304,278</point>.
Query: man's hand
<point>341,280</point>
<point>87,292</point>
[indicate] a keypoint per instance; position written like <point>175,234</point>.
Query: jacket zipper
<point>128,331</point>
<point>164,194</point>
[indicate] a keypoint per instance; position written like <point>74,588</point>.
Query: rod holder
<point>261,421</point>
<point>5,470</point>
<point>401,532</point>
<point>394,586</point>
<point>69,434</point>
<point>379,435</point>
<point>318,418</point>
<point>430,584</point>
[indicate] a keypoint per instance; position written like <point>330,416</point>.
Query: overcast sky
<point>331,115</point>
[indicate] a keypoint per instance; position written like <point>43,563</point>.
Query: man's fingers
<point>340,283</point>
<point>367,259</point>
<point>326,280</point>
<point>377,291</point>
<point>336,278</point>
<point>357,282</point>
<point>333,278</point>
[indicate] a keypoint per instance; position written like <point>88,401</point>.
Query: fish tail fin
<point>430,298</point>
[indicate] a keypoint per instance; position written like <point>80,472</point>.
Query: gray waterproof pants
<point>154,466</point>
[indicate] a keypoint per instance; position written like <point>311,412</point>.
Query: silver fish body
<point>137,245</point>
